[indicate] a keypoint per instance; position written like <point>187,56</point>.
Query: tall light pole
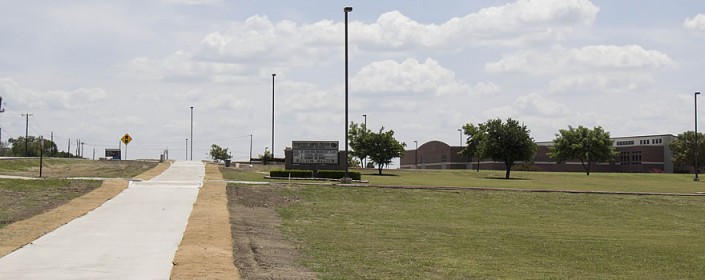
<point>346,10</point>
<point>186,148</point>
<point>273,75</point>
<point>696,136</point>
<point>250,148</point>
<point>416,155</point>
<point>26,135</point>
<point>461,136</point>
<point>191,133</point>
<point>364,161</point>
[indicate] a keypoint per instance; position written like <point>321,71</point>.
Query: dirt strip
<point>515,190</point>
<point>18,234</point>
<point>206,251</point>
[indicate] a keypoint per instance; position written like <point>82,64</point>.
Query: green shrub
<point>338,174</point>
<point>292,173</point>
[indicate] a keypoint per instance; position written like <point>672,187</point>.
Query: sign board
<point>126,139</point>
<point>315,152</point>
<point>113,154</point>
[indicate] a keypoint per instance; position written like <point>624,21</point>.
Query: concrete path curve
<point>132,236</point>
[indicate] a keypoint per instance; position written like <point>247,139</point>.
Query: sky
<point>95,70</point>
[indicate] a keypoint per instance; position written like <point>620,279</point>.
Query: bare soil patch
<point>261,252</point>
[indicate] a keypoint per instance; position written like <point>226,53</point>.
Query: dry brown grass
<point>205,251</point>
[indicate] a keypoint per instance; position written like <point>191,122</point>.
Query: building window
<point>444,158</point>
<point>625,143</point>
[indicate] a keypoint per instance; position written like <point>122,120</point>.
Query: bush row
<point>328,174</point>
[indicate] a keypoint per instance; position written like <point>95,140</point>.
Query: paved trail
<point>132,236</point>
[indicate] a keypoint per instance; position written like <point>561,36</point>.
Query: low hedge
<point>292,173</point>
<point>338,174</point>
<point>327,174</point>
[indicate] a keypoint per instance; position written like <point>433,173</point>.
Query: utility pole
<point>68,151</point>
<point>53,151</point>
<point>82,148</point>
<point>250,148</point>
<point>26,134</point>
<point>41,155</point>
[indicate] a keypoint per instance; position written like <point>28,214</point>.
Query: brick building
<point>648,153</point>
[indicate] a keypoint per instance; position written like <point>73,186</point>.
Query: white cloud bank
<point>696,24</point>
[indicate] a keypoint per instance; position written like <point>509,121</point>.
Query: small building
<point>649,153</point>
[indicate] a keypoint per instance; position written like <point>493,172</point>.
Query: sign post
<point>126,139</point>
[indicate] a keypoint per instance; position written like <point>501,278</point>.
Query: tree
<point>357,139</point>
<point>18,146</point>
<point>474,139</point>
<point>218,153</point>
<point>683,149</point>
<point>382,148</point>
<point>506,142</point>
<point>587,145</point>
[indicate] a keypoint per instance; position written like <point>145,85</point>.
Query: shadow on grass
<point>502,178</point>
<point>381,175</point>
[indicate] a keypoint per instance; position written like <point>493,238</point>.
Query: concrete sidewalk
<point>132,236</point>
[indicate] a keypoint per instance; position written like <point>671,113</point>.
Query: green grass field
<point>21,199</point>
<point>356,233</point>
<point>626,182</point>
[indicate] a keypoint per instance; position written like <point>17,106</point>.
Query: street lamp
<point>186,148</point>
<point>696,136</point>
<point>191,132</point>
<point>364,161</point>
<point>273,75</point>
<point>461,136</point>
<point>416,155</point>
<point>250,148</point>
<point>346,10</point>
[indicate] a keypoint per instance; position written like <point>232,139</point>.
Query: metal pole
<point>273,75</point>
<point>41,155</point>
<point>461,136</point>
<point>346,10</point>
<point>250,148</point>
<point>26,135</point>
<point>696,136</point>
<point>416,155</point>
<point>186,148</point>
<point>364,164</point>
<point>191,133</point>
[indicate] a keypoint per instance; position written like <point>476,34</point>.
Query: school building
<point>649,153</point>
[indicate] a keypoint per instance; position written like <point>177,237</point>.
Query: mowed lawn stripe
<point>352,233</point>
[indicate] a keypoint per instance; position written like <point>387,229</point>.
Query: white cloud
<point>410,76</point>
<point>180,66</point>
<point>560,60</point>
<point>696,24</point>
<point>512,24</point>
<point>22,98</point>
<point>536,105</point>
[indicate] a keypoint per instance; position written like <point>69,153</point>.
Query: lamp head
<point>697,93</point>
<point>347,9</point>
<point>274,75</point>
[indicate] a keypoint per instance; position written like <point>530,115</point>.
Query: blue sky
<point>95,70</point>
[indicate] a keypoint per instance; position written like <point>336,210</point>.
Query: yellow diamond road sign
<point>126,139</point>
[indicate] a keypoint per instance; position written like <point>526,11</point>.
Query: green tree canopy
<point>472,142</point>
<point>505,142</point>
<point>584,144</point>
<point>18,146</point>
<point>218,153</point>
<point>683,148</point>
<point>382,148</point>
<point>357,139</point>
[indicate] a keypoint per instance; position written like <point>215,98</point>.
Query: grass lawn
<point>63,168</point>
<point>355,233</point>
<point>21,199</point>
<point>629,182</point>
